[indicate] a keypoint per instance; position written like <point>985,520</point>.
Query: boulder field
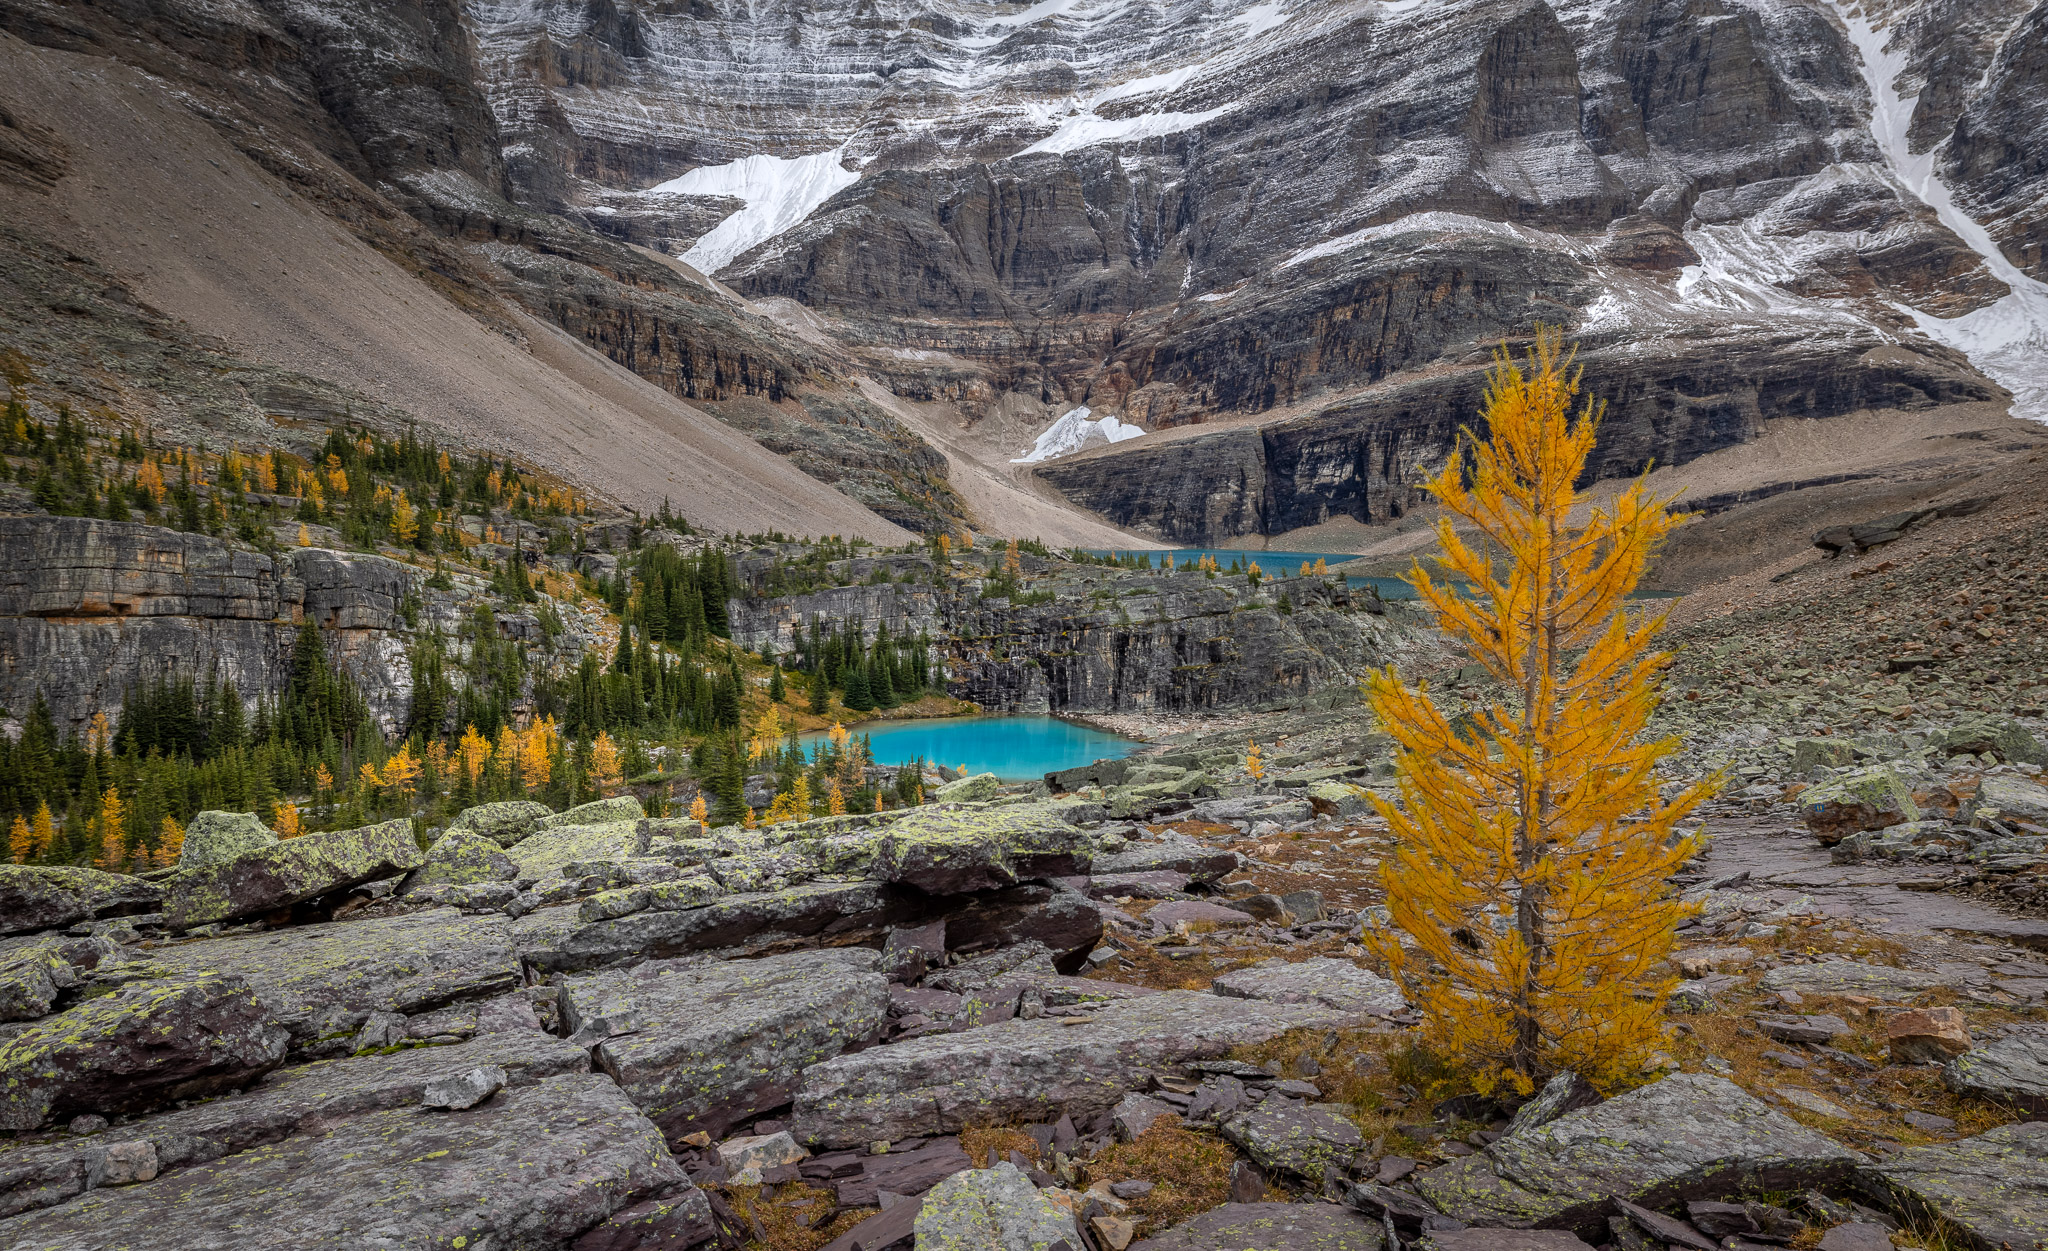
<point>984,1024</point>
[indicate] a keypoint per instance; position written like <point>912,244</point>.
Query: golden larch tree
<point>604,764</point>
<point>113,829</point>
<point>284,819</point>
<point>21,841</point>
<point>405,520</point>
<point>170,843</point>
<point>475,752</point>
<point>1534,850</point>
<point>700,812</point>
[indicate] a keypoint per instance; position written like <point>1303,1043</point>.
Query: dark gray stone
<point>1024,1070</point>
<point>1993,1187</point>
<point>1289,1137</point>
<point>298,869</point>
<point>46,897</point>
<point>1253,1226</point>
<point>137,1049</point>
<point>1688,1136</point>
<point>2012,1070</point>
<point>535,1167</point>
<point>1326,980</point>
<point>717,1044</point>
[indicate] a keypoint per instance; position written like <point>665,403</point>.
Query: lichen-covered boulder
<point>324,981</point>
<point>47,897</point>
<point>1325,980</point>
<point>34,970</point>
<point>1864,799</point>
<point>1993,1188</point>
<point>214,837</point>
<point>596,812</point>
<point>945,852</point>
<point>1284,1136</point>
<point>460,858</point>
<point>1815,753</point>
<point>2002,737</point>
<point>980,788</point>
<point>548,850</point>
<point>534,1167</point>
<point>2011,1070</point>
<point>145,1045</point>
<point>1272,1227</point>
<point>1337,799</point>
<point>1689,1136</point>
<point>290,1101</point>
<point>992,1209</point>
<point>505,822</point>
<point>2014,797</point>
<point>290,872</point>
<point>718,1044</point>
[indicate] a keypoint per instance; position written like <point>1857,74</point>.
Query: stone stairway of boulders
<point>1014,1018</point>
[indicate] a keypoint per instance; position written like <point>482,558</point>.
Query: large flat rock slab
<point>43,1173</point>
<point>268,878</point>
<point>1689,1136</point>
<point>823,912</point>
<point>2010,1070</point>
<point>1993,1187</point>
<point>1271,1227</point>
<point>530,1167</point>
<point>323,981</point>
<point>1030,1069</point>
<point>45,897</point>
<point>1325,980</point>
<point>716,1044</point>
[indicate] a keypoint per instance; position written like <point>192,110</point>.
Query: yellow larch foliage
<point>700,812</point>
<point>1254,761</point>
<point>835,802</point>
<point>305,536</point>
<point>505,755</point>
<point>405,520</point>
<point>170,844</point>
<point>838,736</point>
<point>43,828</point>
<point>793,804</point>
<point>1322,566</point>
<point>767,733</point>
<point>151,479</point>
<point>367,778</point>
<point>1012,563</point>
<point>1533,850</point>
<point>536,754</point>
<point>1304,572</point>
<point>266,475</point>
<point>113,814</point>
<point>21,841</point>
<point>878,801</point>
<point>443,464</point>
<point>337,480</point>
<point>945,546</point>
<point>751,822</point>
<point>402,771</point>
<point>322,780</point>
<point>967,540</point>
<point>604,764</point>
<point>474,750</point>
<point>99,734</point>
<point>284,819</point>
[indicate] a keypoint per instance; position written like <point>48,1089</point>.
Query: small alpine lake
<point>1015,749</point>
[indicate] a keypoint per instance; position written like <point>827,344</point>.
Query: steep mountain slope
<point>1280,237</point>
<point>1317,215</point>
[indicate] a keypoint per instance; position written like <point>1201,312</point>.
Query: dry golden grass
<point>988,1146</point>
<point>785,1218</point>
<point>1189,1172</point>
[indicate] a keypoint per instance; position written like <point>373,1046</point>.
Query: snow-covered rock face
<point>1076,432</point>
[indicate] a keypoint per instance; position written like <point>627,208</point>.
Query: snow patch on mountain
<point>1086,130</point>
<point>779,194</point>
<point>1074,432</point>
<point>2008,340</point>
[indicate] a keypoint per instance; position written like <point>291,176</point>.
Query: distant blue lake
<point>1277,564</point>
<point>1015,749</point>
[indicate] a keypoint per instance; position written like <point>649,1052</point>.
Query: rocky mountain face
<point>1088,639</point>
<point>1307,223</point>
<point>1318,217</point>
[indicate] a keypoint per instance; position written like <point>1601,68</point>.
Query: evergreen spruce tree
<point>858,696</point>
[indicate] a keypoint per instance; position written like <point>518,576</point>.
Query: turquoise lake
<point>1276,563</point>
<point>1015,749</point>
